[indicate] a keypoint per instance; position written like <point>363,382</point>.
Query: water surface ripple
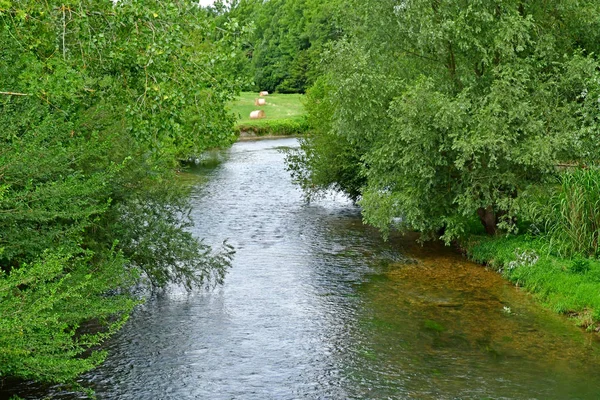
<point>317,306</point>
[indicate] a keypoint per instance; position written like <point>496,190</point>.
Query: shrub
<point>275,127</point>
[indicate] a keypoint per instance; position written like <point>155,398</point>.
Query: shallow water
<point>316,305</point>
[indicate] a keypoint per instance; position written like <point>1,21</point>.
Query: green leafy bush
<point>100,100</point>
<point>324,160</point>
<point>48,307</point>
<point>580,266</point>
<point>445,121</point>
<point>275,127</point>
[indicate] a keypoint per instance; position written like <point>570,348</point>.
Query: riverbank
<point>273,128</point>
<point>359,317</point>
<point>250,136</point>
<point>569,287</point>
<point>284,116</point>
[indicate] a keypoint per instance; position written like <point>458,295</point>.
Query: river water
<point>317,306</point>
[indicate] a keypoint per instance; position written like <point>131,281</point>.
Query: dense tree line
<point>288,39</point>
<point>435,114</point>
<point>99,102</point>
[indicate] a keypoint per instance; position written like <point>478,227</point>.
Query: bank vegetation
<point>99,103</point>
<point>470,122</point>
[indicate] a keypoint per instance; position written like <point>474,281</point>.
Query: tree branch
<point>14,94</point>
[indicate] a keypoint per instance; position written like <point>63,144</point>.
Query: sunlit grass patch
<point>284,114</point>
<point>279,106</point>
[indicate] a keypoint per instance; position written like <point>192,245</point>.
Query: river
<point>317,306</point>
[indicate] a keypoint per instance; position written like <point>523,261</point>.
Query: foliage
<point>324,160</point>
<point>453,109</point>
<point>289,37</point>
<point>575,220</point>
<point>46,305</point>
<point>274,127</point>
<point>153,233</point>
<point>235,23</point>
<point>99,102</point>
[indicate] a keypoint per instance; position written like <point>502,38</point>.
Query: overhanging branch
<point>14,94</point>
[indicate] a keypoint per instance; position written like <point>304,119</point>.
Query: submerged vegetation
<point>557,257</point>
<point>568,286</point>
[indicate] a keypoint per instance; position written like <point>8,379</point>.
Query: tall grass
<point>575,226</point>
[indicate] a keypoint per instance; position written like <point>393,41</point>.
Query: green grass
<point>569,286</point>
<point>285,114</point>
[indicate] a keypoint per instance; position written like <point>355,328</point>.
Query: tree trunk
<point>488,219</point>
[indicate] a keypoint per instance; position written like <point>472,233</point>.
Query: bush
<point>93,127</point>
<point>324,160</point>
<point>275,127</point>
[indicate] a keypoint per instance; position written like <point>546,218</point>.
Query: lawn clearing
<point>279,106</point>
<point>285,115</point>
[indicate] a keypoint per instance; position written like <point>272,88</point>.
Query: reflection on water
<point>317,306</point>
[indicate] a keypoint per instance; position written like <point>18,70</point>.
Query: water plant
<point>434,326</point>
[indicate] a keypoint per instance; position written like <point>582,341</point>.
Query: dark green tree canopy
<point>289,39</point>
<point>450,110</point>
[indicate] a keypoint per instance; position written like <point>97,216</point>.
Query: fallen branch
<point>14,94</point>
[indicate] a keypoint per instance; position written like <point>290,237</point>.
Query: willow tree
<point>98,103</point>
<point>454,107</point>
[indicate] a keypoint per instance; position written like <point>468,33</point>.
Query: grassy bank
<point>558,260</point>
<point>569,286</point>
<point>285,115</point>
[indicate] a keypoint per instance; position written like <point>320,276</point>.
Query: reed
<point>574,227</point>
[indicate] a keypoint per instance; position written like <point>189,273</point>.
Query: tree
<point>288,40</point>
<point>454,108</point>
<point>99,102</point>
